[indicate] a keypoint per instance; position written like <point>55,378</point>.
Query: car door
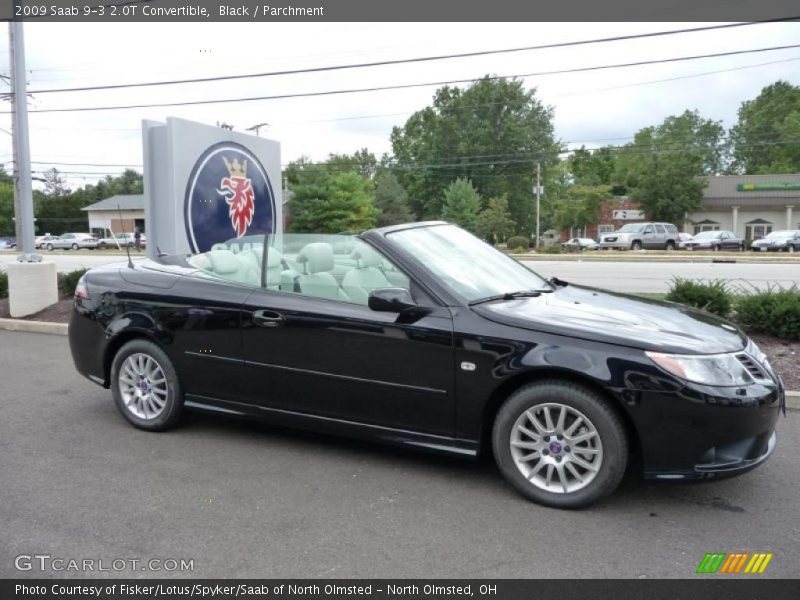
<point>649,239</point>
<point>337,358</point>
<point>65,241</point>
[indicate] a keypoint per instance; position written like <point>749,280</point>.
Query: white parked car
<point>120,240</point>
<point>72,241</point>
<point>581,244</point>
<point>41,240</point>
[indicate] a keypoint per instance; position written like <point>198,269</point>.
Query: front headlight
<point>712,369</point>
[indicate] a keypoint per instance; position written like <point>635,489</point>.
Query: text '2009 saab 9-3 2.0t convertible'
<point>424,336</point>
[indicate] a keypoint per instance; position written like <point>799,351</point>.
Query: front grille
<point>752,366</point>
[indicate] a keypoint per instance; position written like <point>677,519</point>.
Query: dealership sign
<point>768,187</point>
<point>628,215</point>
<point>205,185</point>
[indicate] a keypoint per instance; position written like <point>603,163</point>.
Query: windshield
<point>777,235</point>
<point>706,235</point>
<point>632,228</point>
<point>470,268</point>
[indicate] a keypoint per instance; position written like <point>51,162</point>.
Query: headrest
<point>200,261</point>
<point>366,257</point>
<point>248,260</point>
<point>317,257</point>
<point>223,261</point>
<point>273,258</point>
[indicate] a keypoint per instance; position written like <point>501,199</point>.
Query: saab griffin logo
<point>228,195</point>
<point>734,563</point>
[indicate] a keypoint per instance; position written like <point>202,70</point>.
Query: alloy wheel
<point>143,386</point>
<point>556,448</point>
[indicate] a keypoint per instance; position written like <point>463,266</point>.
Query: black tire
<point>670,245</point>
<point>791,248</point>
<point>75,247</point>
<point>716,248</point>
<point>637,245</point>
<point>173,409</point>
<point>606,421</point>
<point>49,247</point>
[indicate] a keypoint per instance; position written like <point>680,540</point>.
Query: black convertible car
<point>424,336</point>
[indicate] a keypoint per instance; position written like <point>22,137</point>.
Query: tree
<point>391,200</point>
<point>326,203</point>
<point>54,184</point>
<point>494,222</point>
<point>663,167</point>
<point>462,203</point>
<point>592,167</point>
<point>6,209</point>
<point>362,162</point>
<point>580,206</point>
<point>765,138</point>
<point>5,177</point>
<point>491,133</point>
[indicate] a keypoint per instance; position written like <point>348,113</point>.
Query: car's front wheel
<point>50,247</point>
<point>560,444</point>
<point>146,387</point>
<point>636,245</point>
<point>75,246</point>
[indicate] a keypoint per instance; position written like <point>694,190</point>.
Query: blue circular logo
<point>228,196</point>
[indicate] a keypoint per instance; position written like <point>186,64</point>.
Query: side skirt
<point>330,425</point>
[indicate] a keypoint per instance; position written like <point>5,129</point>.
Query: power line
<point>413,85</point>
<point>469,106</point>
<point>418,59</point>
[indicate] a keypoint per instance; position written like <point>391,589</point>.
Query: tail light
<point>81,291</point>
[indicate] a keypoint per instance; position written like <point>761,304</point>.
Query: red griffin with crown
<point>238,193</point>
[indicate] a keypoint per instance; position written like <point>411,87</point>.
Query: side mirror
<point>390,300</point>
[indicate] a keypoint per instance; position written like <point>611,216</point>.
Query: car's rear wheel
<point>670,246</point>
<point>791,248</point>
<point>146,387</point>
<point>636,245</point>
<point>560,444</point>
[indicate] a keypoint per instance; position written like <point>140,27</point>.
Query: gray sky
<point>66,55</point>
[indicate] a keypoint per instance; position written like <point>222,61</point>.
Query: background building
<point>749,205</point>
<point>118,213</point>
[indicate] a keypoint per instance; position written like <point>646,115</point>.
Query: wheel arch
<point>508,387</point>
<point>120,340</point>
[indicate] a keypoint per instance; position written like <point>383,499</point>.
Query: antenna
<point>127,248</point>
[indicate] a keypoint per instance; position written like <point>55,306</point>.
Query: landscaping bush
<point>552,249</point>
<point>3,284</point>
<point>774,311</point>
<point>712,296</point>
<point>68,281</point>
<point>518,243</point>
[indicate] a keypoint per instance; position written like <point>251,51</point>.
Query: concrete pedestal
<point>31,287</point>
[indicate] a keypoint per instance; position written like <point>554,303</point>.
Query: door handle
<point>267,318</point>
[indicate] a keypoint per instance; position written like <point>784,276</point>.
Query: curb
<point>34,326</point>
<point>792,398</point>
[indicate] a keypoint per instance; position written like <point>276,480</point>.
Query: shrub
<point>551,249</point>
<point>774,311</point>
<point>68,281</point>
<point>3,284</point>
<point>712,296</point>
<point>518,243</point>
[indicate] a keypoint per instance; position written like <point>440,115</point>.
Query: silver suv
<point>636,236</point>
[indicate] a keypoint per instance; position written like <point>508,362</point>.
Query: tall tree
<point>54,184</point>
<point>593,167</point>
<point>391,200</point>
<point>462,203</point>
<point>766,138</point>
<point>491,133</point>
<point>6,209</point>
<point>362,162</point>
<point>663,167</point>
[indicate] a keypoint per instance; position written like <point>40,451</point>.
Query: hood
<point>609,317</point>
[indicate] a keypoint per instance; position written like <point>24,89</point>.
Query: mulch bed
<point>784,355</point>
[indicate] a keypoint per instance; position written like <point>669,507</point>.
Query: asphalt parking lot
<point>251,500</point>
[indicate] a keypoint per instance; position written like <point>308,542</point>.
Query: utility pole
<point>538,200</point>
<point>14,160</point>
<point>22,158</point>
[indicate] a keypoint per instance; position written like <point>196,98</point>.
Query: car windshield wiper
<point>511,296</point>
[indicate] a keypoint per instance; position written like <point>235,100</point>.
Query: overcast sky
<point>67,55</point>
